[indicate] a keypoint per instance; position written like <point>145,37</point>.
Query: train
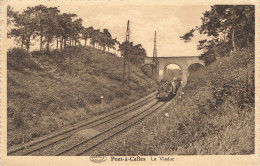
<point>167,89</point>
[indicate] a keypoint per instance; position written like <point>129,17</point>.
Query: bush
<point>58,88</point>
<point>115,76</point>
<point>19,59</point>
<point>225,91</point>
<point>37,54</point>
<point>215,116</point>
<point>18,120</point>
<point>229,76</point>
<point>17,53</point>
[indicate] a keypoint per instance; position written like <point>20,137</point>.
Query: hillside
<point>219,109</point>
<point>214,116</point>
<point>50,90</point>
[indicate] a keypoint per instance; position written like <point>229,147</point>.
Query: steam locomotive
<point>167,89</point>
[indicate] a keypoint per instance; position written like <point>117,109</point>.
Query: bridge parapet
<point>183,61</point>
<point>148,60</point>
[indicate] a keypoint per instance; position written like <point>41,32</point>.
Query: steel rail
<point>59,136</point>
<point>90,143</point>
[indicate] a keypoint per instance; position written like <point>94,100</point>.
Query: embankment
<point>50,90</point>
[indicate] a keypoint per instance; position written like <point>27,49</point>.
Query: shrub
<point>19,59</point>
<point>17,53</point>
<point>115,76</point>
<point>18,119</point>
<point>36,54</point>
<point>71,81</point>
<point>214,116</point>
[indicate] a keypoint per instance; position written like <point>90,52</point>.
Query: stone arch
<point>149,65</point>
<point>201,64</point>
<point>182,66</point>
<point>183,61</point>
<point>165,68</point>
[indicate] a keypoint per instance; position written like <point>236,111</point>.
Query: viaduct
<point>184,62</point>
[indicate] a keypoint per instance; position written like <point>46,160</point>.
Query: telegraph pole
<point>127,57</point>
<point>127,53</point>
<point>124,70</point>
<point>155,60</point>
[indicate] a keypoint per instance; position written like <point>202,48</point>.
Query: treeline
<point>48,24</point>
<point>136,53</point>
<point>170,74</point>
<point>228,28</point>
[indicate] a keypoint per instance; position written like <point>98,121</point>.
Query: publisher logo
<point>98,159</point>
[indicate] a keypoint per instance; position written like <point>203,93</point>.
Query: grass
<point>48,91</point>
<point>215,116</point>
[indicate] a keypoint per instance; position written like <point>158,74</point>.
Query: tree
<point>52,26</point>
<point>96,38</point>
<point>24,29</point>
<point>136,53</point>
<point>227,27</point>
<point>105,38</point>
<point>86,34</point>
<point>125,47</point>
<point>48,24</point>
<point>39,15</point>
<point>11,17</point>
<point>32,22</point>
<point>111,44</point>
<point>77,28</point>
<point>90,32</point>
<point>65,22</point>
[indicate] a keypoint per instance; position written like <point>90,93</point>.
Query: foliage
<point>64,89</point>
<point>134,53</point>
<point>49,24</point>
<point>18,53</point>
<point>19,60</point>
<point>227,28</point>
<point>170,74</point>
<point>214,116</point>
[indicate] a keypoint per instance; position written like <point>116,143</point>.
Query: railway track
<point>83,147</point>
<point>28,148</point>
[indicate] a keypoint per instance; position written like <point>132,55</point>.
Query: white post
<point>102,101</point>
<point>124,143</point>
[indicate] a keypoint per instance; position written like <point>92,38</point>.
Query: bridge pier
<point>183,62</point>
<point>184,76</point>
<point>161,73</point>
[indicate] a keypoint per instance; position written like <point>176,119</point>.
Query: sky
<point>169,21</point>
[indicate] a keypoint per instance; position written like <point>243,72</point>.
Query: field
<point>48,91</point>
